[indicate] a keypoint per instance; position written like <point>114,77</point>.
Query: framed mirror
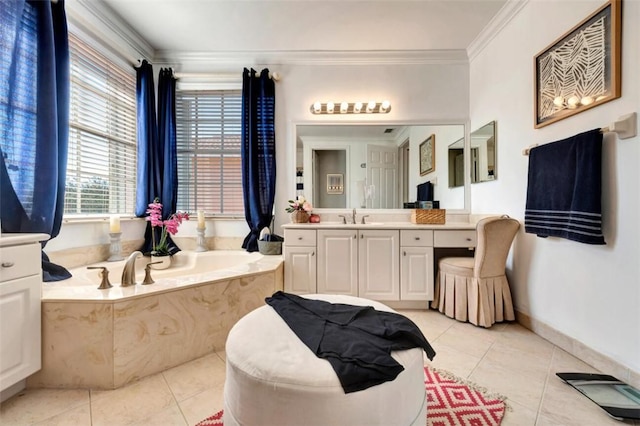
<point>483,154</point>
<point>379,164</point>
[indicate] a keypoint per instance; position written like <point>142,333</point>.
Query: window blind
<point>101,168</point>
<point>209,127</point>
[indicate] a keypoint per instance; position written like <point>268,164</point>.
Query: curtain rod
<point>275,76</point>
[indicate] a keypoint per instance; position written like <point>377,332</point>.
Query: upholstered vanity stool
<point>275,379</point>
<point>476,289</point>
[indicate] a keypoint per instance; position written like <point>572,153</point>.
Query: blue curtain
<point>258,152</point>
<point>34,120</point>
<point>157,158</point>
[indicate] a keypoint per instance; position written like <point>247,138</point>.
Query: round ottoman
<point>275,379</point>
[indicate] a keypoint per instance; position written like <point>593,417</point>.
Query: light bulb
<point>330,107</point>
<point>357,107</point>
<point>344,107</point>
<point>370,106</point>
<point>317,107</point>
<point>587,100</point>
<point>384,107</point>
<point>573,101</point>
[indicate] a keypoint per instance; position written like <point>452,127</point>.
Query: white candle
<point>200,219</point>
<point>114,224</point>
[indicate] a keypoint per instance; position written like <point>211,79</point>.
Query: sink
<point>373,223</point>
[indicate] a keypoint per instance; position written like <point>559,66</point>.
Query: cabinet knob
<point>361,236</point>
<point>299,238</point>
<point>417,238</point>
<point>404,253</point>
<point>313,253</point>
<point>468,239</point>
<point>7,264</point>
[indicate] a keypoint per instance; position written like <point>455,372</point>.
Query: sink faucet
<point>353,216</point>
<point>129,271</point>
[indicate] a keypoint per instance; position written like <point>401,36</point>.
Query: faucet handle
<point>344,219</point>
<point>104,274</point>
<point>147,273</point>
<point>362,221</point>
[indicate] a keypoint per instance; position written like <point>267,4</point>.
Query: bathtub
<point>104,339</point>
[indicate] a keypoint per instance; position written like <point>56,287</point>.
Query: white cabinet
<point>338,261</point>
<point>20,298</point>
<point>416,260</point>
<point>300,261</point>
<point>378,264</point>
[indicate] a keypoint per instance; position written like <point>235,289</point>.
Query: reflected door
<point>382,177</point>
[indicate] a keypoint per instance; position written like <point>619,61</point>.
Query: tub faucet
<point>129,271</point>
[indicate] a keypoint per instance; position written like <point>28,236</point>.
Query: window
<point>209,127</point>
<point>101,168</point>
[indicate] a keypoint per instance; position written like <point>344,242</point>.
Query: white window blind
<point>209,126</point>
<point>101,168</point>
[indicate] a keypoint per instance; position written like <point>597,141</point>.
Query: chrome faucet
<point>353,216</point>
<point>129,271</point>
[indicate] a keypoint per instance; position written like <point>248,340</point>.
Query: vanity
<point>20,294</point>
<point>391,262</point>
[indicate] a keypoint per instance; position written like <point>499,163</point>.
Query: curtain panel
<point>34,120</point>
<point>157,152</point>
<point>258,152</point>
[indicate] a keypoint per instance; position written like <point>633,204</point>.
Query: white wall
<point>590,293</point>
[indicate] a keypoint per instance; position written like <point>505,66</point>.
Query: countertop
<point>18,239</point>
<point>380,225</point>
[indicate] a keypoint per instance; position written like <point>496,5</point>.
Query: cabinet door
<point>300,270</point>
<point>338,261</point>
<point>416,274</point>
<point>19,329</point>
<point>378,264</point>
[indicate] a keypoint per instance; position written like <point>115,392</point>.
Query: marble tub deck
<point>105,344</point>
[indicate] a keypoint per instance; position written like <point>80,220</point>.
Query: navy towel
<point>564,189</point>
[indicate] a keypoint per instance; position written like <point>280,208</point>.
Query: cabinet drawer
<point>299,237</point>
<point>19,261</point>
<point>416,238</point>
<point>454,238</point>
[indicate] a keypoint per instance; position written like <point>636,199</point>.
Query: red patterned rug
<point>450,402</point>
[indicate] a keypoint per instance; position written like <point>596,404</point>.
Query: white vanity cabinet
<point>338,261</point>
<point>416,265</point>
<point>378,264</point>
<point>20,309</point>
<point>392,263</point>
<point>300,260</point>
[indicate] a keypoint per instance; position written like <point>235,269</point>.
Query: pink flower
<point>169,226</point>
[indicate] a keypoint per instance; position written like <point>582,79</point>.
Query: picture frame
<point>581,69</point>
<point>335,183</point>
<point>427,152</point>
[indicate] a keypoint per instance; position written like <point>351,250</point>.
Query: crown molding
<point>96,18</point>
<point>298,57</point>
<point>510,9</point>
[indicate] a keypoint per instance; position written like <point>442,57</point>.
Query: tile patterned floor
<point>506,358</point>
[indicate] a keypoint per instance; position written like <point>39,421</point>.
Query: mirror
<point>377,166</point>
<point>483,154</point>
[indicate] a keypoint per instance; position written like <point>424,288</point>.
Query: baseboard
<point>581,351</point>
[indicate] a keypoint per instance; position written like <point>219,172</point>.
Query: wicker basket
<point>429,216</point>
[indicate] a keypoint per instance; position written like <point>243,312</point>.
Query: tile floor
<point>506,358</point>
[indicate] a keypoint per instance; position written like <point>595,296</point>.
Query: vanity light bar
<point>371,107</point>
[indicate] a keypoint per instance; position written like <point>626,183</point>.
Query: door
<point>416,274</point>
<point>382,173</point>
<point>378,274</point>
<point>338,261</point>
<point>300,270</point>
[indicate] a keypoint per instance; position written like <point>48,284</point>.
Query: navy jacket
<point>356,340</point>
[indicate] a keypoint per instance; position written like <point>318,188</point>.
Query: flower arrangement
<point>169,226</point>
<point>299,204</point>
